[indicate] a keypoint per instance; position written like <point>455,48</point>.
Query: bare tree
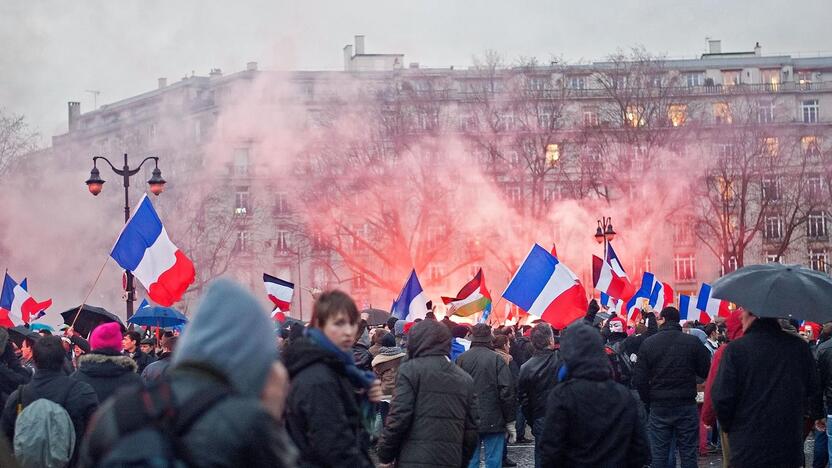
<point>16,139</point>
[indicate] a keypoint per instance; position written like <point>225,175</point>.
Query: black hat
<point>149,341</point>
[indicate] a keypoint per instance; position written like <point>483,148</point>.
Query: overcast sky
<point>51,52</point>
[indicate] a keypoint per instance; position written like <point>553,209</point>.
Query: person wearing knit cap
<point>104,368</point>
<point>496,401</point>
<point>228,344</point>
<point>590,419</point>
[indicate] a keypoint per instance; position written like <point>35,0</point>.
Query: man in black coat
<point>590,419</point>
<point>665,376</point>
<point>49,382</point>
<point>495,395</point>
<point>131,348</point>
<point>538,376</point>
<point>762,392</point>
<point>433,417</point>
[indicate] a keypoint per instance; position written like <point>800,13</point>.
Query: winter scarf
<point>357,377</point>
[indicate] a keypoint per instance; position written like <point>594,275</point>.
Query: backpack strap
<point>19,406</point>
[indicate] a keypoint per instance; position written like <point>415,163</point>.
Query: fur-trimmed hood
<point>98,364</point>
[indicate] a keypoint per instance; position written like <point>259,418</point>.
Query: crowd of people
<point>236,389</point>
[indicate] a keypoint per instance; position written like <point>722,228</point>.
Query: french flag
<point>412,303</point>
<point>144,249</point>
<point>280,292</point>
<point>610,303</point>
<point>661,296</point>
<point>711,305</point>
<point>546,288</point>
<point>606,280</point>
<point>17,306</point>
<point>641,298</point>
<point>689,311</point>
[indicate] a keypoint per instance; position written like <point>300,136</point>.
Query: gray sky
<point>52,51</point>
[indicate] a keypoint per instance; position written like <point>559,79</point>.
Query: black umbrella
<point>89,318</point>
<point>19,333</point>
<point>779,291</point>
<point>376,316</point>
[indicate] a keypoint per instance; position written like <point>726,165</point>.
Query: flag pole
<point>84,302</point>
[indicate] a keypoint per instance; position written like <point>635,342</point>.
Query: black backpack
<point>151,427</point>
<point>622,367</point>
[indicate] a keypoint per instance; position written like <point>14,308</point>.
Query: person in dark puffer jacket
<point>665,376</point>
<point>495,394</point>
<point>591,421</point>
<point>538,376</point>
<point>105,369</point>
<point>433,419</point>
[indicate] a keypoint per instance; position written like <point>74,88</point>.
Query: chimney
<point>74,114</point>
<point>215,72</point>
<point>359,45</point>
<point>758,51</point>
<point>347,57</point>
<point>714,46</point>
<point>251,66</point>
<point>163,82</point>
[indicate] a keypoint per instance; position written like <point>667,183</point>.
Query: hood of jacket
<point>582,349</point>
<point>429,338</point>
<point>388,354</point>
<point>233,333</point>
<point>104,364</point>
<point>734,325</point>
<point>303,353</point>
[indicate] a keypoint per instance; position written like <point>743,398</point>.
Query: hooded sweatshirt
<point>735,332</point>
<point>216,336</point>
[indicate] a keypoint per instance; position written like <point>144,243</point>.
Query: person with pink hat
<point>104,368</point>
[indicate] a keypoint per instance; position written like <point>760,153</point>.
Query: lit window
<point>725,187</point>
<point>677,114</point>
<point>771,78</point>
<point>771,146</point>
<point>241,202</point>
<point>819,260</point>
<point>552,154</point>
<point>634,116</point>
<point>685,267</point>
<point>730,77</point>
<point>722,113</point>
<point>810,145</point>
<point>809,110</point>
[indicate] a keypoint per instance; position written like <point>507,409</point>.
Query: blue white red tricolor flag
<point>546,288</point>
<point>144,249</point>
<point>17,306</point>
<point>412,303</point>
<point>661,296</point>
<point>711,305</point>
<point>280,292</point>
<point>689,311</point>
<point>641,298</point>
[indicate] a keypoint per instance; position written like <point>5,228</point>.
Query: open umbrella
<point>41,326</point>
<point>376,316</point>
<point>163,317</point>
<point>779,291</point>
<point>90,317</point>
<point>19,333</point>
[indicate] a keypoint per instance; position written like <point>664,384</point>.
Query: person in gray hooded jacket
<point>229,342</point>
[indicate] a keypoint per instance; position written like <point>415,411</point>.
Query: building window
<point>731,77</point>
<point>550,194</point>
<point>281,203</point>
<point>317,242</point>
<point>771,78</point>
<point>732,266</point>
<point>282,242</point>
<point>514,193</point>
<point>634,116</point>
<point>810,146</point>
<point>773,227</point>
<point>241,162</point>
<point>577,82</point>
<point>693,80</point>
<point>682,234</point>
<point>809,110</point>
<point>816,226</point>
<point>436,236</point>
<point>772,257</point>
<point>725,150</point>
<point>771,188</point>
<point>814,188</point>
<point>765,112</point>
<point>436,274</point>
<point>538,83</point>
<point>771,146</point>
<point>359,282</point>
<point>243,243</point>
<point>552,154</point>
<point>677,113</point>
<point>320,278</point>
<point>242,205</point>
<point>648,263</point>
<point>590,118</point>
<point>685,267</point>
<point>818,260</point>
<point>722,113</point>
<point>514,157</point>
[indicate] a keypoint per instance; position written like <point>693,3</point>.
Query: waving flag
<point>144,248</point>
<point>606,280</point>
<point>412,302</point>
<point>611,304</point>
<point>641,298</point>
<point>709,304</point>
<point>546,288</point>
<point>471,299</point>
<point>280,292</point>
<point>688,310</point>
<point>17,306</point>
<point>661,296</point>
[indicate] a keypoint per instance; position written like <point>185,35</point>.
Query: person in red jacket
<point>735,332</point>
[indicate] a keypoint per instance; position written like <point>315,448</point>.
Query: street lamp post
<point>157,184</point>
<point>605,233</point>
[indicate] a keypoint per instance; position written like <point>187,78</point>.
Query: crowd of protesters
<point>236,390</point>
